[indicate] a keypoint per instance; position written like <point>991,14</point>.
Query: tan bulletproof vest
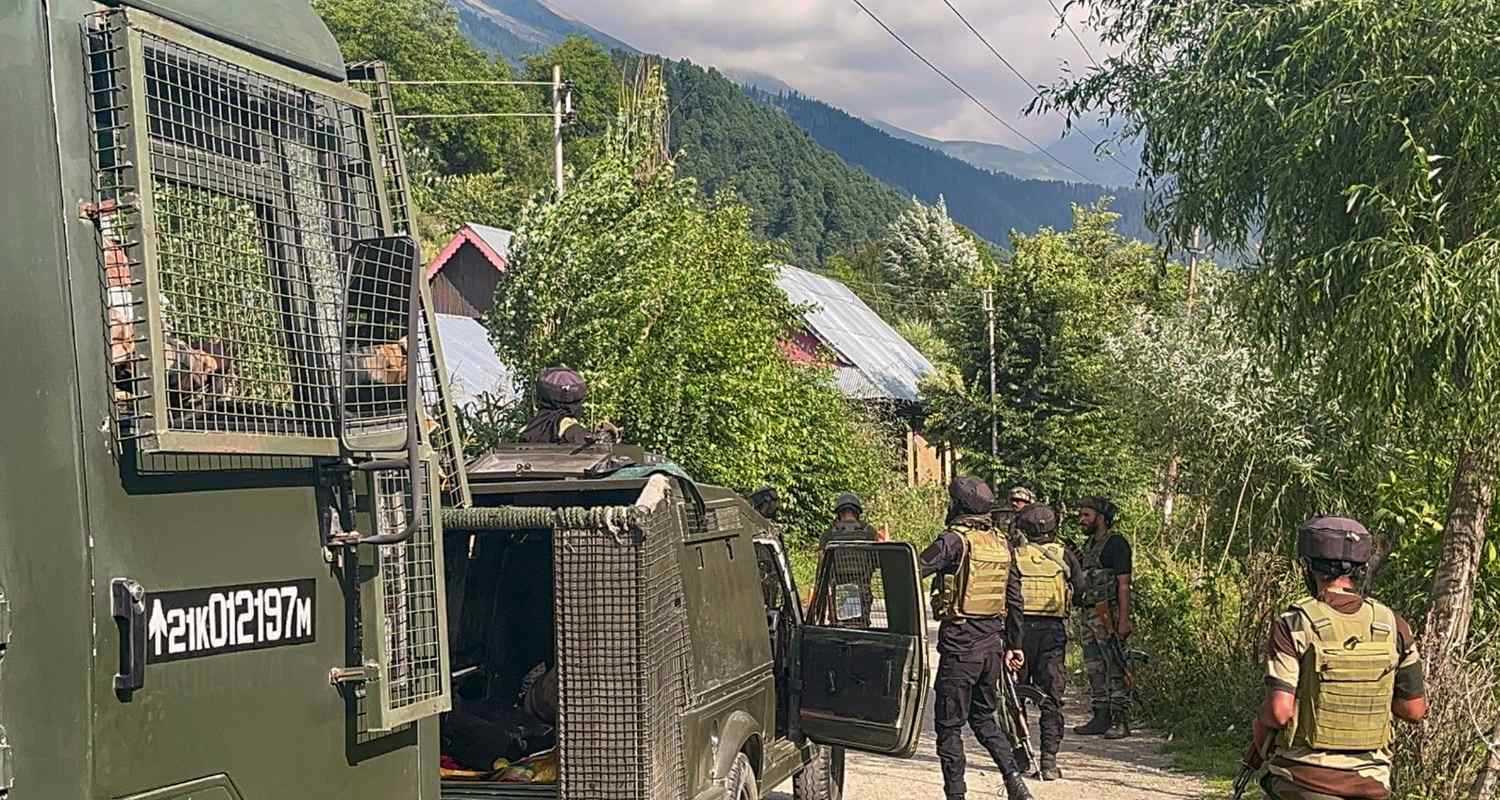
<point>1044,579</point>
<point>1347,679</point>
<point>976,590</point>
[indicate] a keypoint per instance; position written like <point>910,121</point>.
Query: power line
<point>966,92</point>
<point>1076,37</point>
<point>986,42</point>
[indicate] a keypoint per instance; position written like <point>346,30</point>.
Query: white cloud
<point>830,50</point>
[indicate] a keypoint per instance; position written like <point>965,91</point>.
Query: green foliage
<point>991,203</point>
<point>1057,303</point>
<point>799,193</point>
<point>667,305</point>
<point>420,40</point>
<point>217,286</point>
<point>923,249</point>
<point>1357,142</point>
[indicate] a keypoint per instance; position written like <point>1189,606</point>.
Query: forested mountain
<point>516,29</point>
<point>991,203</point>
<point>993,157</point>
<point>799,192</point>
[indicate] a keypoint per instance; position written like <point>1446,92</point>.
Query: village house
<point>872,363</point>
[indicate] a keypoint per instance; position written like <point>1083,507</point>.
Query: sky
<point>830,50</point>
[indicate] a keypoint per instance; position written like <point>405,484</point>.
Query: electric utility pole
<point>989,310</point>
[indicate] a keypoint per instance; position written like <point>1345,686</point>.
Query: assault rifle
<point>1247,773</point>
<point>1013,715</point>
<point>1114,649</point>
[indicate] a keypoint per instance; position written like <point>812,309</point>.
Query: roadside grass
<point>1216,758</point>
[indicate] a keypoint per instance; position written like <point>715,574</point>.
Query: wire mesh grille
<point>413,667</point>
<point>622,651</point>
<point>857,584</point>
<point>376,317</point>
<point>440,425</point>
<point>224,320</point>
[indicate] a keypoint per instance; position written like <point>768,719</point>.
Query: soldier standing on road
<point>1339,667</point>
<point>1105,604</point>
<point>1048,580</point>
<point>976,595</point>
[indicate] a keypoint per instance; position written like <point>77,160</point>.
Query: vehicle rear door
<point>863,650</point>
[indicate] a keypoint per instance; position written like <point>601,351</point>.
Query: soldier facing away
<point>854,575</point>
<point>560,393</point>
<point>1104,598</point>
<point>1339,667</point>
<point>1049,574</point>
<point>976,595</point>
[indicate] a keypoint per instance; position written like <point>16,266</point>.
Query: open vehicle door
<point>864,650</point>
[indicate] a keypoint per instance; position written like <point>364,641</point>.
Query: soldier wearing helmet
<point>1049,575</point>
<point>854,573</point>
<point>1005,516</point>
<point>560,393</point>
<point>976,594</point>
<point>767,502</point>
<point>1104,600</point>
<point>1339,668</point>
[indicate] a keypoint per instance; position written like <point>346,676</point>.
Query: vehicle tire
<point>740,784</point>
<point>823,777</point>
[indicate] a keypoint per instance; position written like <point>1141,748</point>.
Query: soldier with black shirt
<point>560,393</point>
<point>1049,576</point>
<point>976,595</point>
<point>1104,601</point>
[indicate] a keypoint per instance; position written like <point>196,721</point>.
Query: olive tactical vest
<point>1097,584</point>
<point>1044,579</point>
<point>976,590</point>
<point>1347,679</point>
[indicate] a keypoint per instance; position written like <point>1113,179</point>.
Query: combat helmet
<point>561,386</point>
<point>849,500</point>
<point>1336,539</point>
<point>1037,522</point>
<point>1103,506</point>
<point>971,495</point>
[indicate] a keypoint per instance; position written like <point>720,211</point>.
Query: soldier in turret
<point>1339,668</point>
<point>560,393</point>
<point>976,594</point>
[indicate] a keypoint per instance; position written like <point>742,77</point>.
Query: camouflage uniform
<point>1107,692</point>
<point>1298,772</point>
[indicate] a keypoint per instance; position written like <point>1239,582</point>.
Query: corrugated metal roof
<point>883,365</point>
<point>497,238</point>
<point>473,367</point>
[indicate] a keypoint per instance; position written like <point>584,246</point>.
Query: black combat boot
<point>1099,724</point>
<point>1015,788</point>
<point>1050,772</point>
<point>1119,726</point>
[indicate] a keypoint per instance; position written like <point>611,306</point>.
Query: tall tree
<point>667,303</point>
<point>925,250</point>
<point>1357,143</point>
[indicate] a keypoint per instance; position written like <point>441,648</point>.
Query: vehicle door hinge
<point>362,674</point>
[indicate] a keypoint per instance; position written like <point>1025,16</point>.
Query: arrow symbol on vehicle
<point>157,627</point>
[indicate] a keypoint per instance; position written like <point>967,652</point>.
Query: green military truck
<point>685,665</point>
<point>224,573</point>
<point>219,552</point>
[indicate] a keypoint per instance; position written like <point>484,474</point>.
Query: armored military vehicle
<point>226,438</point>
<point>685,666</point>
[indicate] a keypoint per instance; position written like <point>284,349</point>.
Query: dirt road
<point>1132,769</point>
